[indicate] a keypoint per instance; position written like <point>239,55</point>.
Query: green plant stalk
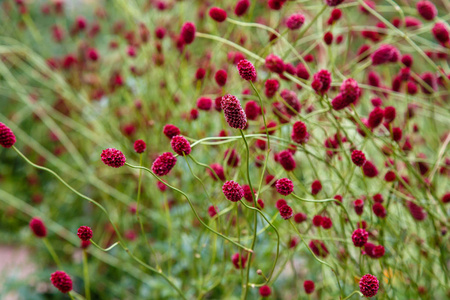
<point>315,257</point>
<point>355,292</point>
<point>122,244</point>
<point>192,207</point>
<point>86,276</point>
<point>52,252</point>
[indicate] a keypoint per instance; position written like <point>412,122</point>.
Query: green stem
<point>86,276</point>
<point>355,292</point>
<point>52,252</point>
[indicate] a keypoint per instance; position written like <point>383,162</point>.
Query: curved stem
<point>192,207</point>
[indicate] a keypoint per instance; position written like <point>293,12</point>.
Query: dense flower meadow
<point>235,149</point>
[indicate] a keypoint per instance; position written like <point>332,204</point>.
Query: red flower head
<point>7,137</point>
<point>274,63</point>
<point>284,186</point>
<point>234,114</point>
<point>299,132</point>
<point>248,193</point>
<point>233,157</point>
<point>360,237</point>
<point>300,217</point>
<point>38,227</point>
<point>61,281</point>
<point>350,91</point>
<point>308,285</point>
<point>232,191</point>
<point>441,33</point>
<point>321,82</point>
<point>376,117</point>
<point>317,220</point>
<point>218,170</point>
<point>358,158</point>
<point>286,160</point>
<point>446,198</point>
<point>431,83</point>
<point>334,2</point>
<point>326,223</point>
<point>171,130</point>
<point>295,21</point>
<point>218,14</point>
<point>358,204</point>
<point>369,169</point>
<point>200,74</point>
<point>389,114</point>
<point>241,7</point>
<point>318,248</point>
<point>85,244</point>
<point>280,203</point>
<point>286,212</point>
<point>417,212</point>
<point>188,32</point>
<point>84,233</point>
<point>113,158</point>
<point>252,110</point>
<point>180,145</point>
<point>328,38</point>
<point>164,163</point>
<point>271,87</point>
<point>246,70</point>
<point>239,261</point>
<point>139,146</point>
<point>379,210</point>
<point>385,54</point>
<point>390,176</point>
<point>221,77</point>
<point>204,103</point>
<point>265,291</point>
<point>302,71</point>
<point>369,285</point>
<point>276,4</point>
<point>293,105</point>
<point>427,10</point>
<point>316,187</point>
<point>212,211</point>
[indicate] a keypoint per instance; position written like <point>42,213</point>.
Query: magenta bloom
<point>360,237</point>
<point>38,227</point>
<point>369,285</point>
<point>164,163</point>
<point>218,14</point>
<point>441,33</point>
<point>265,291</point>
<point>180,145</point>
<point>234,114</point>
<point>84,233</point>
<point>295,21</point>
<point>321,81</point>
<point>286,160</point>
<point>204,103</point>
<point>385,54</point>
<point>113,158</point>
<point>61,281</point>
<point>350,91</point>
<point>369,169</point>
<point>299,132</point>
<point>309,286</point>
<point>241,7</point>
<point>427,10</point>
<point>252,110</point>
<point>284,186</point>
<point>274,63</point>
<point>358,158</point>
<point>221,77</point>
<point>7,137</point>
<point>246,70</point>
<point>286,212</point>
<point>232,191</point>
<point>139,146</point>
<point>218,170</point>
<point>171,130</point>
<point>334,2</point>
<point>238,261</point>
<point>188,32</point>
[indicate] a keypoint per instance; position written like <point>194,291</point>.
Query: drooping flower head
<point>61,281</point>
<point>38,227</point>
<point>7,137</point>
<point>246,70</point>
<point>164,163</point>
<point>84,233</point>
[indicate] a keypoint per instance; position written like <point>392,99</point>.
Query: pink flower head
<point>274,63</point>
<point>295,21</point>
<point>232,191</point>
<point>234,114</point>
<point>321,81</point>
<point>61,281</point>
<point>218,14</point>
<point>241,7</point>
<point>139,146</point>
<point>246,70</point>
<point>360,237</point>
<point>164,163</point>
<point>171,130</point>
<point>38,227</point>
<point>284,186</point>
<point>180,145</point>
<point>7,137</point>
<point>84,233</point>
<point>286,212</point>
<point>113,157</point>
<point>188,32</point>
<point>385,54</point>
<point>369,285</point>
